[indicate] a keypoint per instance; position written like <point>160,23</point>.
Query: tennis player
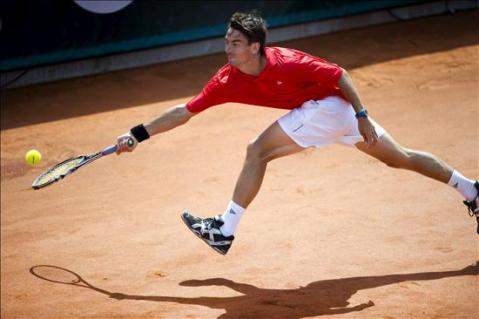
<point>324,108</point>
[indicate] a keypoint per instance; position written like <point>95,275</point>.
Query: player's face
<point>237,49</point>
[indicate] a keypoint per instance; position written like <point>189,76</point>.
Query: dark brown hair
<point>252,26</point>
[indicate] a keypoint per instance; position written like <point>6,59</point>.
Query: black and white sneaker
<point>208,230</point>
<point>473,206</point>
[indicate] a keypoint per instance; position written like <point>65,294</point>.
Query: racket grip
<point>109,150</point>
<point>112,149</point>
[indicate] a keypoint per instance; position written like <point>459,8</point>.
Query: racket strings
<point>58,275</point>
<point>58,171</point>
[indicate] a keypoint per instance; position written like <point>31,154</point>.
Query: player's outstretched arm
<point>171,118</point>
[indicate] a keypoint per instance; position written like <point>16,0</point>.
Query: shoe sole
<point>199,236</point>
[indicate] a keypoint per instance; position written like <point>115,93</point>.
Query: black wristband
<point>140,133</point>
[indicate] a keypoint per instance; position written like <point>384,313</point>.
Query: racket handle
<point>109,150</point>
<point>112,149</point>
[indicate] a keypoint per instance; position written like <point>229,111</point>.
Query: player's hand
<point>125,143</point>
<point>367,130</point>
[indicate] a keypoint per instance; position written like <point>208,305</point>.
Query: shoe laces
<point>208,223</point>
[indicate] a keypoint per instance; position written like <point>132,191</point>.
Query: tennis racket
<point>64,276</point>
<point>65,168</point>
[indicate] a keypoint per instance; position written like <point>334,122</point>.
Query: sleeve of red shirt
<point>324,72</point>
<point>210,95</point>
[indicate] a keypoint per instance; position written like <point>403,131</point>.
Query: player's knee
<point>254,152</point>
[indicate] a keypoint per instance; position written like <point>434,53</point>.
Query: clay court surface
<point>332,232</point>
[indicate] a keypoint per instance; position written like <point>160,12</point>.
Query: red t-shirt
<point>289,78</point>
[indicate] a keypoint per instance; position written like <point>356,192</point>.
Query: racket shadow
<point>324,297</point>
<point>60,275</point>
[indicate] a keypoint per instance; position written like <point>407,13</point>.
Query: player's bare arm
<point>171,118</point>
<point>366,128</point>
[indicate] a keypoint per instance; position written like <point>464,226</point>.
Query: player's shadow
<point>324,297</point>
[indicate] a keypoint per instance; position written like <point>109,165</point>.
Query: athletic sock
<point>463,185</point>
<point>231,217</point>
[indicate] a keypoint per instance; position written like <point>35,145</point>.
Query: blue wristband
<point>362,114</point>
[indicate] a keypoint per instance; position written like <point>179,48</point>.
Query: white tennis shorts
<point>323,122</point>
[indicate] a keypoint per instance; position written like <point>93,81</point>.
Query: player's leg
<point>218,232</point>
<point>388,151</point>
<point>394,155</point>
<point>271,144</point>
<point>391,153</point>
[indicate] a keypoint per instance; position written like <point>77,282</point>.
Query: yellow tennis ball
<point>33,157</point>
